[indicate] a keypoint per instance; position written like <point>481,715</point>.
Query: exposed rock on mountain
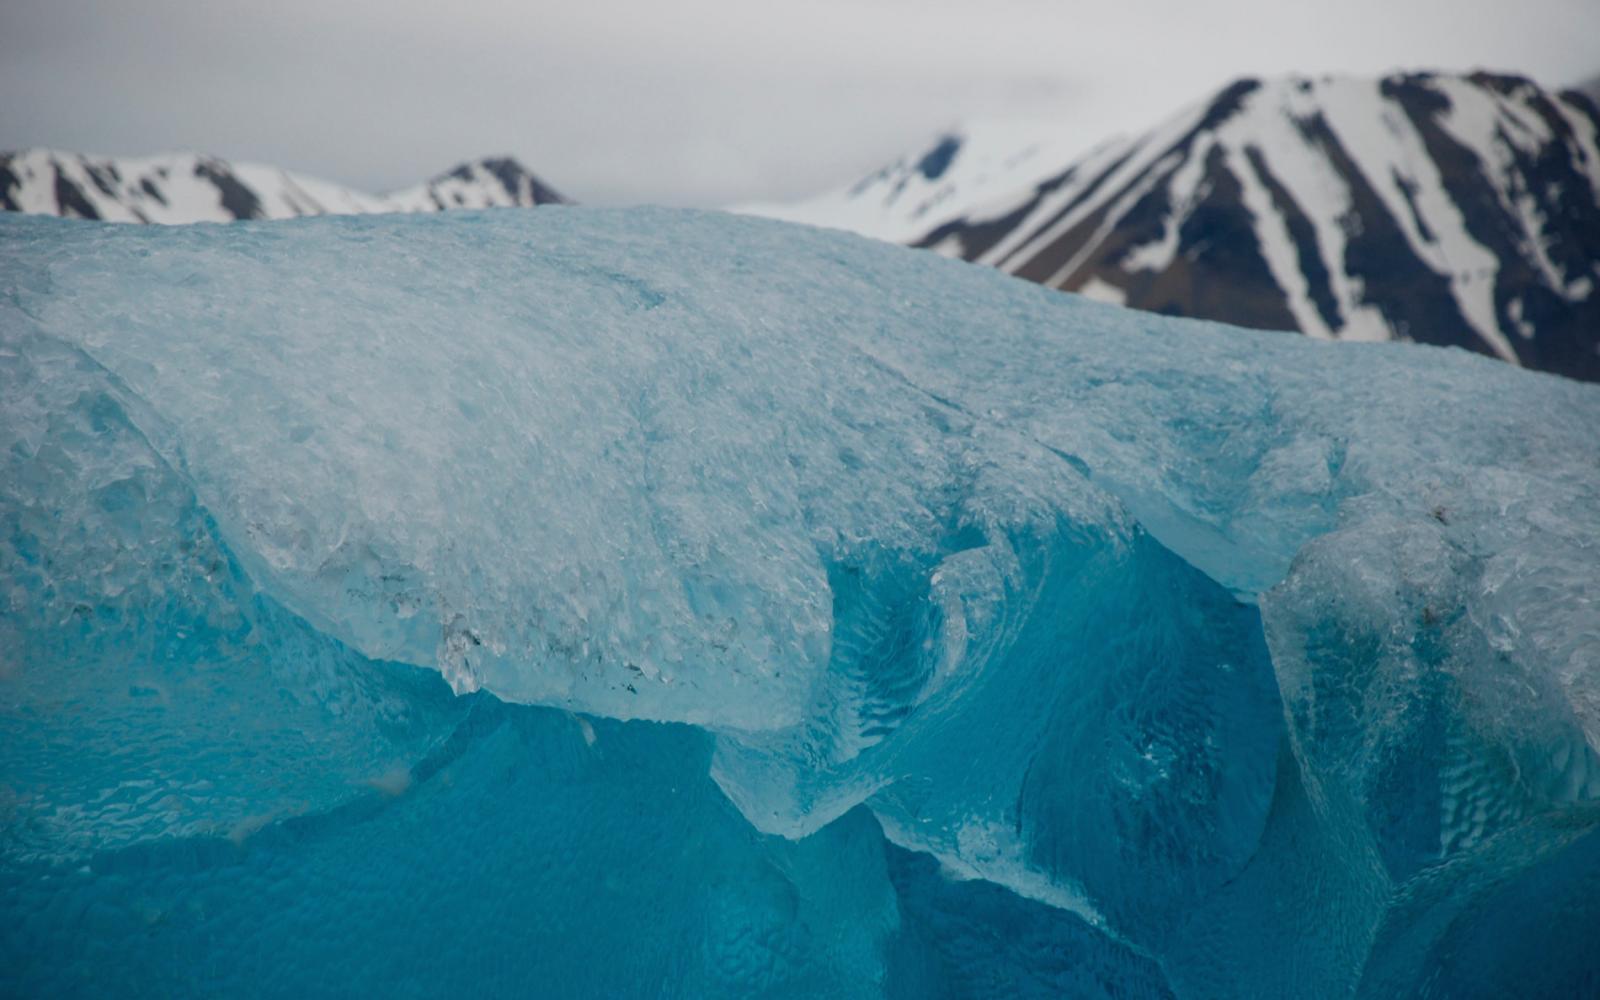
<point>1461,210</point>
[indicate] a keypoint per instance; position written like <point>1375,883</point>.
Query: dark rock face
<point>521,183</point>
<point>937,160</point>
<point>70,202</point>
<point>237,199</point>
<point>1450,210</point>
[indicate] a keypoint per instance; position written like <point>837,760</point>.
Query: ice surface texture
<point>894,627</point>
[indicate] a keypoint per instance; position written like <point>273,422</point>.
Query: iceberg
<point>610,602</point>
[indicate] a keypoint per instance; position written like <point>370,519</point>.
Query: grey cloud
<point>689,102</point>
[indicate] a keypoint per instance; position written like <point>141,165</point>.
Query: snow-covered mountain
<point>190,187</point>
<point>959,172</point>
<point>1439,208</point>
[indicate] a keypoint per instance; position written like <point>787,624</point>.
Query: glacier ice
<point>619,601</point>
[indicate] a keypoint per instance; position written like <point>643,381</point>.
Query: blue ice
<point>621,602</point>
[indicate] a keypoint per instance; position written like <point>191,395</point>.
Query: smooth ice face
<point>1181,632</point>
<point>149,690</point>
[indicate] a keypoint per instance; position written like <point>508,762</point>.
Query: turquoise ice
<point>587,602</point>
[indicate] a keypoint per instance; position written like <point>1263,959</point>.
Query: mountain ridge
<point>182,187</point>
<point>1450,209</point>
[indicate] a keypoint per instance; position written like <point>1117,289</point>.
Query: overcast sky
<point>691,101</point>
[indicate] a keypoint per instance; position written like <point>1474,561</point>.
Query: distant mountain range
<point>189,187</point>
<point>1460,210</point>
<point>1447,209</point>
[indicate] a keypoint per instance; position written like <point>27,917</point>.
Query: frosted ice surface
<point>1138,634</point>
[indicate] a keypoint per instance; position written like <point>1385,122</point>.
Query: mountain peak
<point>1455,209</point>
<point>472,181</point>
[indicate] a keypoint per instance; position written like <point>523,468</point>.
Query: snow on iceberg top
<point>609,458</point>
